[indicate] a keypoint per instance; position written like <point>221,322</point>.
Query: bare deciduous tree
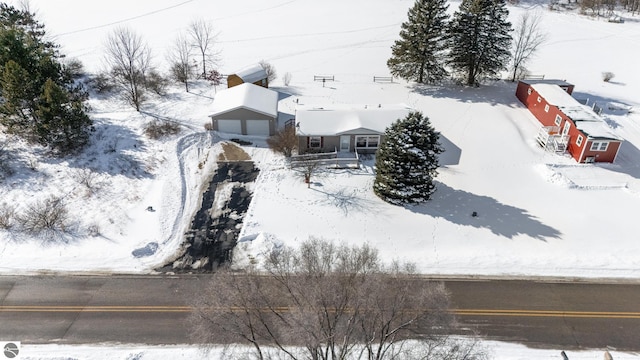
<point>270,70</point>
<point>284,141</point>
<point>129,59</point>
<point>204,37</point>
<point>528,36</point>
<point>323,301</point>
<point>180,60</point>
<point>286,78</point>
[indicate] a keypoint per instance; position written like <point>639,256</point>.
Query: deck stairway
<point>550,139</point>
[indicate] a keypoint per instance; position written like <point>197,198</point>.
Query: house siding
<point>332,143</point>
<point>243,115</point>
<point>547,118</point>
<point>601,156</point>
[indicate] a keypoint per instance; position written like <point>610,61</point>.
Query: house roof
<point>331,120</point>
<point>557,82</point>
<point>248,96</point>
<point>252,73</point>
<point>586,120</point>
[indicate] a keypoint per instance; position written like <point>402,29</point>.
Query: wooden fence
<point>383,79</point>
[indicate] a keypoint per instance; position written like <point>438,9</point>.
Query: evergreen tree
<point>419,54</point>
<point>63,123</point>
<point>407,161</point>
<point>40,100</point>
<point>479,39</point>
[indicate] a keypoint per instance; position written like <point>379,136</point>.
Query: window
<point>599,146</point>
<point>529,91</point>
<point>579,140</point>
<point>558,120</point>
<point>315,142</point>
<point>546,108</point>
<point>367,141</point>
<point>539,99</point>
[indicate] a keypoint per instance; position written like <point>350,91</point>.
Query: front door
<point>567,126</point>
<point>345,143</point>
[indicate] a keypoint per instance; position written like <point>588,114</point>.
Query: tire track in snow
<point>183,147</point>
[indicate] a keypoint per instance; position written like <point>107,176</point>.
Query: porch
<point>550,139</point>
<point>335,159</point>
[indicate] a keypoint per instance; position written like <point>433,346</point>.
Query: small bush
<point>157,129</point>
<point>607,76</point>
<point>102,84</point>
<point>157,83</point>
<point>7,214</point>
<point>208,126</point>
<point>94,230</point>
<point>284,141</point>
<point>46,215</point>
<point>74,69</point>
<point>88,178</point>
<point>286,78</point>
<point>5,160</point>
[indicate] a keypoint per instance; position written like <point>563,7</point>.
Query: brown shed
<point>251,75</point>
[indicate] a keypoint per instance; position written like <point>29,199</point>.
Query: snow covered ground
<point>497,351</point>
<point>539,214</point>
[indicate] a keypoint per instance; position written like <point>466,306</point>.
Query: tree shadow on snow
<point>451,154</point>
<point>113,150</point>
<point>497,92</point>
<point>626,162</point>
<point>458,206</point>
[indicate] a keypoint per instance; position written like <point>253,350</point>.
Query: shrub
<point>607,76</point>
<point>5,160</point>
<point>50,214</point>
<point>286,78</point>
<point>74,69</point>
<point>156,83</point>
<point>102,84</point>
<point>7,214</point>
<point>157,129</point>
<point>284,141</point>
<point>208,126</point>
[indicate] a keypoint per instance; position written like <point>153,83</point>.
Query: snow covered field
<point>539,214</point>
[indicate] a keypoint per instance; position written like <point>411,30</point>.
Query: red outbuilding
<point>568,125</point>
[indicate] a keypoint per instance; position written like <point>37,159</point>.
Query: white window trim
<point>597,146</point>
<point>539,99</point>
<point>319,140</point>
<point>558,120</point>
<point>529,91</point>
<point>546,108</point>
<point>579,140</point>
<point>367,141</point>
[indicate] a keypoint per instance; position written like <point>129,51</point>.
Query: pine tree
<point>62,122</point>
<point>41,102</point>
<point>480,39</point>
<point>419,54</point>
<point>407,161</point>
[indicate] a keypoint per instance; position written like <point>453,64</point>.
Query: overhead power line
<point>127,19</point>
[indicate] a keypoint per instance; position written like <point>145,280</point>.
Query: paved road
<point>154,310</point>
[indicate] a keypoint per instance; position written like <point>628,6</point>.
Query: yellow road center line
<point>185,309</point>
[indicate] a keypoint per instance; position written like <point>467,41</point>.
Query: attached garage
<point>246,109</point>
<point>230,126</point>
<point>258,127</point>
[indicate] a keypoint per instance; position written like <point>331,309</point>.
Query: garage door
<point>230,126</point>
<point>258,127</point>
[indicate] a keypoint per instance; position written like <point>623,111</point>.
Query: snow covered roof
<point>252,73</point>
<point>586,120</point>
<point>249,96</point>
<point>331,120</point>
<point>557,82</point>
